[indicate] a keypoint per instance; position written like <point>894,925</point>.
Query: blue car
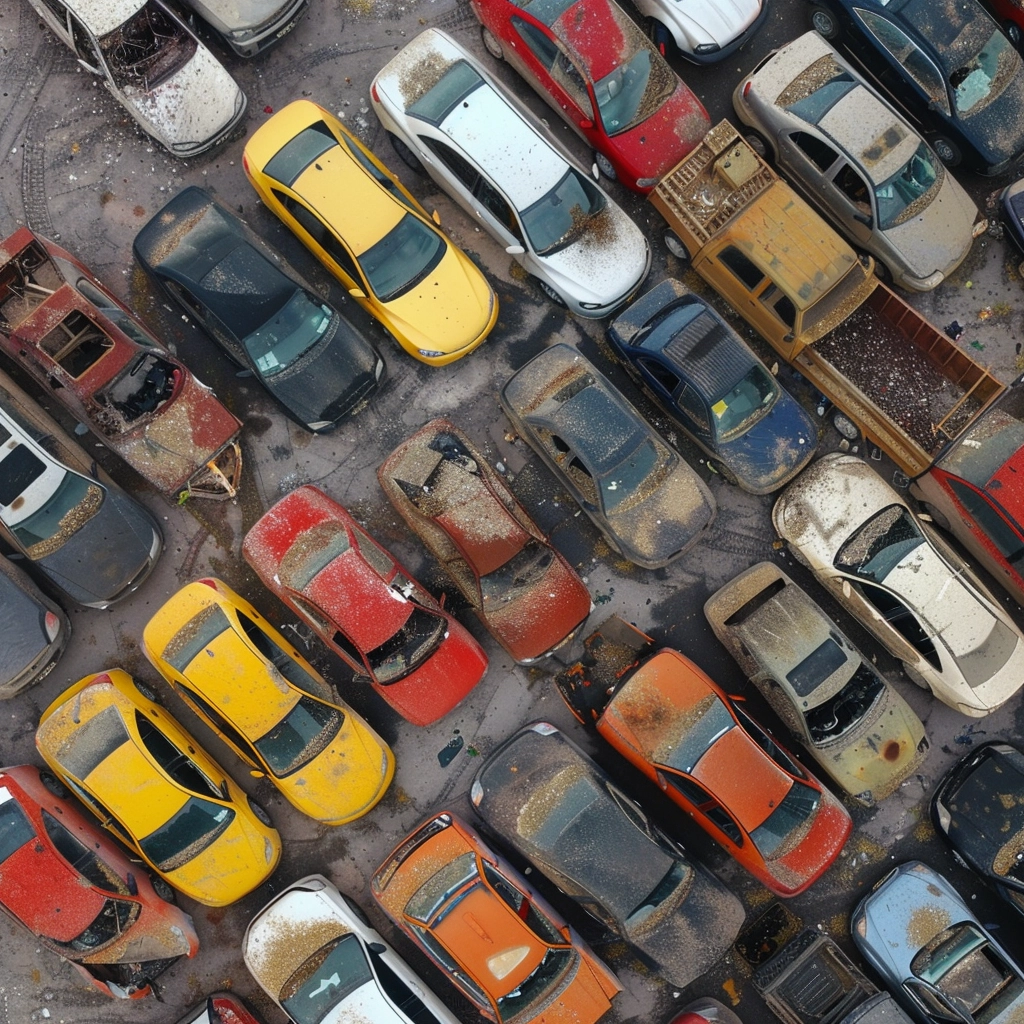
<point>714,388</point>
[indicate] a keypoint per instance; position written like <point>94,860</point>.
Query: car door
<point>811,161</point>
<point>568,464</point>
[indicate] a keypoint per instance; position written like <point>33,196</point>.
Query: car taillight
<point>210,583</point>
<point>746,88</point>
<point>245,163</point>
<point>374,93</point>
<point>52,624</point>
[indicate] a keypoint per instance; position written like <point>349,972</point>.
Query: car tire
<point>146,691</point>
<point>260,813</point>
<point>824,23</point>
<point>916,678</point>
<point>883,272</point>
<point>54,785</point>
<point>604,165</point>
<point>660,36</point>
<point>945,150</point>
<point>405,154</point>
<point>758,143</point>
<point>551,293</point>
<point>491,44</point>
<point>723,471</point>
<point>675,245</point>
<point>163,889</point>
<point>938,518</point>
<point>1013,33</point>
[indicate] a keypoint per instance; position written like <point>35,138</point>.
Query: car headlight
<point>980,228</point>
<point>707,48</point>
<point>591,305</point>
<point>379,369</point>
<point>429,353</point>
<point>268,850</point>
<point>320,425</point>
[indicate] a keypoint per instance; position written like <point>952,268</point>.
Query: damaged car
<point>59,324</point>
<point>933,954</point>
<point>902,582</point>
<point>79,895</point>
<point>844,714</point>
<point>979,807</point>
<point>710,383</point>
<point>312,950</point>
<point>259,311</point>
<point>62,513</point>
<point>250,27</point>
<point>539,792</point>
<point>521,587</point>
<point>367,607</point>
<point>154,66</point>
<point>220,1008</point>
<point>649,504</point>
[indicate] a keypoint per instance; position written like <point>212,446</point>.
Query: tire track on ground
<point>33,177</point>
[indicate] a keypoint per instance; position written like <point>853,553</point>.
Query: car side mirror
<point>435,217</point>
<point>586,124</point>
<point>257,774</point>
<point>514,250</point>
<point>862,218</point>
<point>357,293</point>
<point>133,886</point>
<point>377,947</point>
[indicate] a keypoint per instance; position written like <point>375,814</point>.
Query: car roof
<point>103,16</point>
<point>29,475</point>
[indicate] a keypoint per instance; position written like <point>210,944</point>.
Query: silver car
<point>859,162</point>
<point>447,117</point>
<point>250,26</point>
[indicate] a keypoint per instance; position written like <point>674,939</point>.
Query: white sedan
<point>703,31</point>
<point>861,540</point>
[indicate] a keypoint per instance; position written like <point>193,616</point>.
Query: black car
<point>1011,213</point>
<point>947,66</point>
<point>541,793</point>
<point>307,355</point>
<point>717,391</point>
<point>979,808</point>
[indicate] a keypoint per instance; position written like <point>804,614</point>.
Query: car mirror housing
<point>435,217</point>
<point>595,172</point>
<point>257,774</point>
<point>586,124</point>
<point>357,293</point>
<point>514,250</point>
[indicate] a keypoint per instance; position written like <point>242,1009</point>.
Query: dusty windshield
<point>289,334</point>
<point>147,49</point>
<point>634,478</point>
<point>67,510</point>
<point>326,979</point>
<point>523,570</point>
<point>559,218</point>
<point>187,834</point>
<point>880,544</point>
<point>910,189</point>
<point>981,80</point>
<point>402,258</point>
<point>419,637</point>
<point>770,837</point>
<point>302,734</point>
<point>745,404</point>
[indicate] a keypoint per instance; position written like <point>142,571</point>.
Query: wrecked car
<point>707,379</point>
<point>847,717</point>
<point>449,119</point>
<point>442,883</point>
<point>258,310</point>
<point>267,702</point>
<point>155,788</point>
<point>539,792</point>
<point>893,572</point>
<point>649,504</point>
<point>154,66</point>
<point>935,956</point>
<point>523,589</point>
<point>64,514</point>
<point>79,895</point>
<point>220,1008</point>
<point>59,324</point>
<point>250,27</point>
<point>33,634</point>
<point>662,713</point>
<point>594,67</point>
<point>312,950</point>
<point>979,807</point>
<point>364,605</point>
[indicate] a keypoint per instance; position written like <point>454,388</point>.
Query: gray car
<point>859,162</point>
<point>936,957</point>
<point>544,796</point>
<point>250,26</point>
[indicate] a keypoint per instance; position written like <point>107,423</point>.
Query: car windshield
<point>990,441</point>
<point>288,335</point>
<point>633,478</point>
<point>195,827</point>
<point>770,837</point>
<point>845,709</point>
<point>746,403</point>
<point>402,258</point>
<point>560,217</point>
<point>302,734</point>
<point>522,571</point>
<point>71,505</point>
<point>534,988</point>
<point>147,49</point>
<point>443,883</point>
<point>694,733</point>
<point>981,80</point>
<point>419,637</point>
<point>15,829</point>
<point>325,979</point>
<point>110,922</point>
<point>880,544</point>
<point>909,190</point>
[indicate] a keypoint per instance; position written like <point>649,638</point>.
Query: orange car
<point>484,927</point>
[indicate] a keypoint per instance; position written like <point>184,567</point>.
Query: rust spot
<point>139,211</point>
<point>891,751</point>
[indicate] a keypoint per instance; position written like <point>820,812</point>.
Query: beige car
<point>893,572</point>
<point>851,721</point>
<point>859,162</point>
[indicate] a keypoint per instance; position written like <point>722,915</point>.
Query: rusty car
<point>85,348</point>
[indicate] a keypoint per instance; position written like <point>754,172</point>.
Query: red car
<point>1010,15</point>
<point>666,717</point>
<point>59,324</point>
<point>598,70</point>
<point>220,1008</point>
<point>79,894</point>
<point>525,592</point>
<point>364,605</point>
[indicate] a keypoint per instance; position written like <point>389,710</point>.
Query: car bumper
<point>730,48</point>
<point>263,37</point>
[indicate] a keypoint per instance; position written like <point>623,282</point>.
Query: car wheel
<point>551,293</point>
<point>824,23</point>
<point>723,471</point>
<point>1013,33</point>
<point>883,273</point>
<point>405,154</point>
<point>491,44</point>
<point>54,785</point>
<point>259,812</point>
<point>916,678</point>
<point>146,691</point>
<point>846,427</point>
<point>604,165</point>
<point>674,244</point>
<point>938,518</point>
<point>163,889</point>
<point>659,35</point>
<point>946,151</point>
<point>758,143</point>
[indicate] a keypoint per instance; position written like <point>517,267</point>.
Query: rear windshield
<point>297,154</point>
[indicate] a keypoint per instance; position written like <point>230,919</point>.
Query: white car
<point>154,66</point>
<point>861,540</point>
<point>448,117</point>
<point>313,952</point>
<point>250,26</point>
<point>704,31</point>
<point>859,162</point>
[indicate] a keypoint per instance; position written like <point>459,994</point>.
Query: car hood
<point>191,106</point>
<point>988,810</point>
<point>714,21</point>
<point>367,1003</point>
<point>24,636</point>
<point>235,15</point>
<point>935,239</point>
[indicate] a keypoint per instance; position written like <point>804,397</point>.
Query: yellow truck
<point>907,387</point>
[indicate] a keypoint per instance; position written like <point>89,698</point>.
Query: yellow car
<point>156,789</point>
<point>367,229</point>
<point>267,702</point>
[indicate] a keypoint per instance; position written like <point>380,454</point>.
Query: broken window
<point>417,639</point>
<point>149,383</point>
<point>76,343</point>
<point>147,49</point>
<point>845,709</point>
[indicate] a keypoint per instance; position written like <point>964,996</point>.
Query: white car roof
<point>36,494</point>
<point>103,16</point>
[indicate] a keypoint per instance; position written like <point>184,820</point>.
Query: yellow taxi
<point>366,228</point>
<point>156,789</point>
<point>267,702</point>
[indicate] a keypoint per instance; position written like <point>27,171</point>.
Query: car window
<point>527,910</point>
<point>691,403</point>
<point>543,48</point>
<point>403,258</point>
<point>220,723</point>
<point>661,373</point>
<point>190,831</point>
<point>299,152</point>
<point>910,190</point>
<point>455,162</point>
<point>933,1003</point>
<point>697,729</point>
<point>902,619</point>
<point>57,9</point>
<point>745,269</point>
<point>281,659</point>
<point>983,78</point>
<point>564,214</point>
<point>418,637</point>
<point>325,979</point>
<point>84,46</point>
<point>93,742</point>
<point>747,402</point>
<point>494,202</point>
<point>199,632</point>
<point>822,155</point>
<point>77,854</point>
<point>148,48</point>
<point>706,805</point>
<point>534,991</point>
<point>447,961</point>
<point>15,828</point>
<point>375,172</point>
<point>398,991</point>
<point>175,763</point>
<point>795,808</point>
<point>880,544</point>
<point>905,52</point>
<point>321,234</point>
<point>568,76</point>
<point>767,744</point>
<point>457,80</point>
<point>989,520</point>
<point>854,187</point>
